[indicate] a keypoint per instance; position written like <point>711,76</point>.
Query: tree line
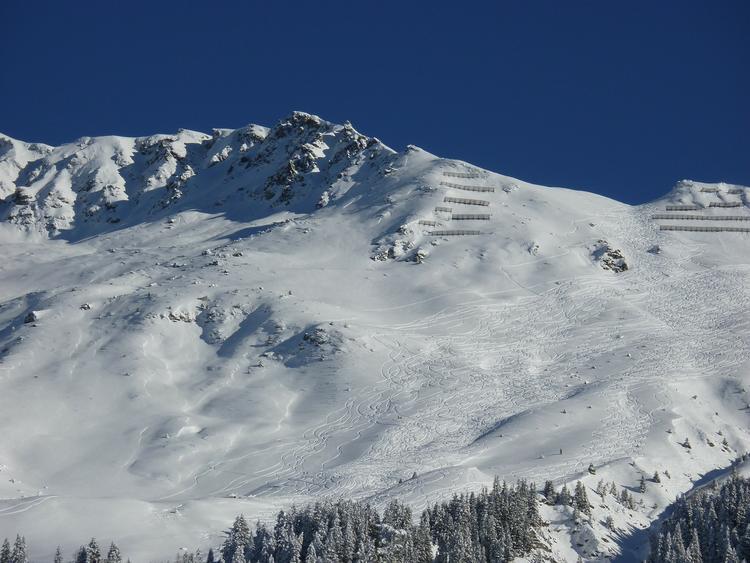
<point>709,526</point>
<point>494,525</point>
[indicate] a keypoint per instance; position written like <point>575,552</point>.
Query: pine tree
<point>312,555</point>
<point>549,492</point>
<point>744,544</point>
<point>82,555</point>
<point>601,488</point>
<point>5,552</point>
<point>423,541</point>
<point>609,523</point>
<point>656,478</point>
<point>93,552</point>
<point>564,497</point>
<point>642,484</point>
<point>580,499</point>
<point>731,556</point>
<point>58,555</point>
<point>113,555</point>
<point>210,558</point>
<point>19,554</point>
<point>694,549</point>
<point>238,539</point>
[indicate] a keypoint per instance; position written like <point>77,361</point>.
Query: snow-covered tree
<point>93,552</point>
<point>564,497</point>
<point>581,500</point>
<point>19,554</point>
<point>113,554</point>
<point>710,526</point>
<point>238,539</point>
<point>5,552</point>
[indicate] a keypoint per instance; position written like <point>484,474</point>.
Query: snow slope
<point>193,326</point>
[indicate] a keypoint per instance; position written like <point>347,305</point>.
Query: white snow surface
<point>198,325</point>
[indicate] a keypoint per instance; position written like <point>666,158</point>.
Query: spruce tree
<point>5,552</point>
<point>580,499</point>
<point>93,552</point>
<point>564,497</point>
<point>423,541</point>
<point>312,555</point>
<point>731,556</point>
<point>238,539</point>
<point>113,555</point>
<point>601,488</point>
<point>58,555</point>
<point>549,492</point>
<point>19,554</point>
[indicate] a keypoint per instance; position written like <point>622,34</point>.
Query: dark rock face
<point>610,258</point>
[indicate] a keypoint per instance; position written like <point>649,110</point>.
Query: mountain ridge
<point>191,361</point>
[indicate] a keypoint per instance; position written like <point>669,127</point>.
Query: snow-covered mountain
<point>197,325</point>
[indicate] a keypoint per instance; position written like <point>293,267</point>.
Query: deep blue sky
<point>621,98</point>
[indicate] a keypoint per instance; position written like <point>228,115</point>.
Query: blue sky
<point>620,98</point>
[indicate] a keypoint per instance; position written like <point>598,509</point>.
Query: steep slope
<point>194,326</point>
<point>93,186</point>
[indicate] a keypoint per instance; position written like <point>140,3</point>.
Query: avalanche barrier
<point>702,217</point>
<point>683,207</point>
<point>704,229</point>
<point>462,174</point>
<point>466,201</point>
<point>456,232</point>
<point>468,188</point>
<point>471,217</point>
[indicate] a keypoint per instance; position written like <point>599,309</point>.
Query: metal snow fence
<point>462,174</point>
<point>457,232</point>
<point>725,204</point>
<point>429,223</point>
<point>705,229</point>
<point>468,188</point>
<point>710,190</point>
<point>702,217</point>
<point>466,201</point>
<point>683,207</point>
<point>470,217</point>
<point>443,210</point>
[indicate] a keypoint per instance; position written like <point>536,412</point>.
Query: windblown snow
<point>197,325</point>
